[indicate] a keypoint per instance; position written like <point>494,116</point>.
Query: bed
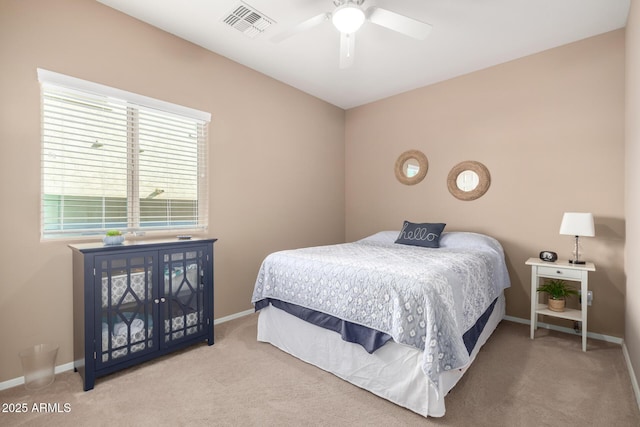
<point>387,314</point>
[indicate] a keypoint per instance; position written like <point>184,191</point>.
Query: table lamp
<point>577,224</point>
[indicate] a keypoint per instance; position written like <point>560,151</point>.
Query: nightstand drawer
<point>560,273</point>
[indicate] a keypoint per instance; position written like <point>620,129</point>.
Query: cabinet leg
<point>88,382</point>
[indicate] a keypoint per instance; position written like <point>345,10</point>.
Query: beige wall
<point>276,154</point>
<point>632,155</point>
<point>550,129</point>
<point>540,124</point>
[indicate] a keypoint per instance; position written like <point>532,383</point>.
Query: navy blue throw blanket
<point>368,338</point>
<point>470,337</point>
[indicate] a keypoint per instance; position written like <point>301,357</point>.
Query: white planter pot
<point>113,240</point>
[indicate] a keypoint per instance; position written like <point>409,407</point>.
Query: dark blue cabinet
<point>139,300</point>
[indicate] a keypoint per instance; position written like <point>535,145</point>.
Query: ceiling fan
<point>348,17</point>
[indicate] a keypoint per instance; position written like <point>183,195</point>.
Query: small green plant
<point>114,233</point>
<point>557,289</point>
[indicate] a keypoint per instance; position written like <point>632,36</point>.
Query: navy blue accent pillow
<point>426,234</point>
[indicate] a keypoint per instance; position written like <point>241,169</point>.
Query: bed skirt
<point>392,372</point>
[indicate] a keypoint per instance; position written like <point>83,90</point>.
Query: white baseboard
<point>634,381</point>
<point>601,337</point>
<point>69,366</point>
<point>233,316</point>
<point>20,380</point>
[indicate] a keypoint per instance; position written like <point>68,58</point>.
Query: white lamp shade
<point>348,18</point>
<point>577,224</point>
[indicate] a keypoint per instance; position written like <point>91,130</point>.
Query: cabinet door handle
<point>157,301</point>
<point>163,299</point>
<point>558,272</point>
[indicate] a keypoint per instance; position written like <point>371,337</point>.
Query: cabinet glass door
<point>124,307</point>
<point>184,294</point>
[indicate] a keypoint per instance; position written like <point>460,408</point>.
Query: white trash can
<point>38,365</point>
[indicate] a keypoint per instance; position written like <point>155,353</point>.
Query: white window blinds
<point>116,160</point>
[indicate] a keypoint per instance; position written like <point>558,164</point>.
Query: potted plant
<point>113,237</point>
<point>557,290</point>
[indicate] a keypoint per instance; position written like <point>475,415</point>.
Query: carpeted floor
<point>515,381</point>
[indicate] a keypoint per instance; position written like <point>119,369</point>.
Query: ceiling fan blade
<point>303,26</point>
<point>347,49</point>
<point>400,23</point>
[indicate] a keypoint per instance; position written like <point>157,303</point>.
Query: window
<point>116,160</point>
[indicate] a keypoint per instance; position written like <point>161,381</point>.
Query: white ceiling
<point>467,35</point>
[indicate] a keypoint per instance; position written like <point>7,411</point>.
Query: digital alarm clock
<point>549,256</point>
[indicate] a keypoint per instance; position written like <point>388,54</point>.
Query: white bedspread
<point>422,297</point>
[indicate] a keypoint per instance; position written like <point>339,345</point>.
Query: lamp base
<point>573,261</point>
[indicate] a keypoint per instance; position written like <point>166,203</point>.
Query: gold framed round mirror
<point>468,180</point>
<point>411,167</point>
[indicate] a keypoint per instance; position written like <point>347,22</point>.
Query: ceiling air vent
<point>247,20</point>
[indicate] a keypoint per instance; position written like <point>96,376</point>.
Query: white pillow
<point>449,239</point>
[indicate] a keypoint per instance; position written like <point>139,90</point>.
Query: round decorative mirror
<point>468,180</point>
<point>411,167</point>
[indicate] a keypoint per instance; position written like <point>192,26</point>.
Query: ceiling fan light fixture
<point>348,18</point>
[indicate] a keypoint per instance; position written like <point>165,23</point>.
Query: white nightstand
<point>561,269</point>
